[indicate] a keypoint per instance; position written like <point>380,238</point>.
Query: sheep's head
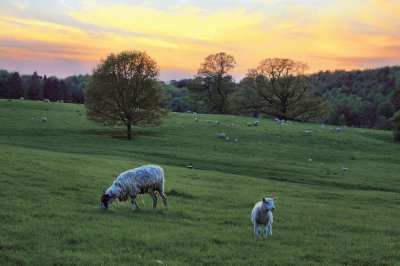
<point>269,204</point>
<point>105,200</point>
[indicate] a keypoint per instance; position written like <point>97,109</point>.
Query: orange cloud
<point>324,34</point>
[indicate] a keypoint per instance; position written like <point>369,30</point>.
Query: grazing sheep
<point>43,119</point>
<point>196,119</point>
<point>222,136</point>
<point>46,100</point>
<point>144,179</point>
<point>307,133</point>
<point>262,215</point>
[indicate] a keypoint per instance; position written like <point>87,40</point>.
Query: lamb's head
<point>105,200</point>
<point>269,204</point>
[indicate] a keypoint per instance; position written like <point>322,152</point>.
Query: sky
<point>69,37</point>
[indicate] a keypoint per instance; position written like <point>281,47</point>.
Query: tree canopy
<point>124,89</point>
<point>213,84</point>
<point>280,87</point>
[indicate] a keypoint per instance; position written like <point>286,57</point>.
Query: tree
<point>4,84</point>
<point>34,89</point>
<point>213,85</point>
<point>396,126</point>
<point>16,86</point>
<point>124,89</point>
<point>279,87</point>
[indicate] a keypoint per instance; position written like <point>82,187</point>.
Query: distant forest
<point>362,98</point>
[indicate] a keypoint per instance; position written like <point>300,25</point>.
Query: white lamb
<point>262,215</point>
<point>144,179</point>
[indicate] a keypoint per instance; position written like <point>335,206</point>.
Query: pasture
<point>52,174</point>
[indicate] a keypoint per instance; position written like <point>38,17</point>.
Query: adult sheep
<point>144,179</point>
<point>262,215</point>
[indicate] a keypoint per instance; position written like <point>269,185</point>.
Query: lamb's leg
<point>164,199</point>
<point>266,227</point>
<point>270,229</point>
<point>257,230</point>
<point>154,197</point>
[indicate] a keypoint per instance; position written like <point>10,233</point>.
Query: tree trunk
<point>129,130</point>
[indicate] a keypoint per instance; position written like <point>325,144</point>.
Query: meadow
<point>52,174</point>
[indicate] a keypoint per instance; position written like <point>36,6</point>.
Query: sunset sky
<point>67,37</point>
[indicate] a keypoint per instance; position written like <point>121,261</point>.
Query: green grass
<point>52,174</point>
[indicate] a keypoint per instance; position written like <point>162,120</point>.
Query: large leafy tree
<point>124,89</point>
<point>213,84</point>
<point>280,87</point>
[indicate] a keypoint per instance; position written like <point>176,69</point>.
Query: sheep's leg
<point>270,229</point>
<point>154,197</point>
<point>164,199</point>
<point>134,203</point>
<point>257,230</point>
<point>266,228</point>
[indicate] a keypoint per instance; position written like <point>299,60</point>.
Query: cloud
<point>180,34</point>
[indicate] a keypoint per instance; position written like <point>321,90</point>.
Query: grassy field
<point>52,174</point>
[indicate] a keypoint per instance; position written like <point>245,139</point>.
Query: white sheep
<point>307,133</point>
<point>262,215</point>
<point>144,179</point>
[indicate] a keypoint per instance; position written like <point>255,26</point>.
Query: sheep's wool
<point>137,181</point>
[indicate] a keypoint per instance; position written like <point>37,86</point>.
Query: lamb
<point>144,179</point>
<point>262,215</point>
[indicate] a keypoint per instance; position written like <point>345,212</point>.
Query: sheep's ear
<point>264,200</point>
<point>275,199</point>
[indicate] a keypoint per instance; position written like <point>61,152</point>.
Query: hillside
<point>339,192</point>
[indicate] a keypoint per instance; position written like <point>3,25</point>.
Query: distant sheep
<point>336,129</point>
<point>46,100</point>
<point>144,179</point>
<point>307,133</point>
<point>43,119</point>
<point>222,136</point>
<point>262,215</point>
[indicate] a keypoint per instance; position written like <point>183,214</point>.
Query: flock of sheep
<point>150,179</point>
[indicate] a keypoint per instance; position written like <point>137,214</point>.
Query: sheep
<point>307,133</point>
<point>336,129</point>
<point>43,119</point>
<point>222,136</point>
<point>46,100</point>
<point>262,215</point>
<point>144,179</point>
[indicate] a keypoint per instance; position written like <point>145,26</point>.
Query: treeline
<point>35,87</point>
<point>363,98</point>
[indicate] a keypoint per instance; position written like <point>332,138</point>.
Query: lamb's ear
<point>275,199</point>
<point>264,200</point>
